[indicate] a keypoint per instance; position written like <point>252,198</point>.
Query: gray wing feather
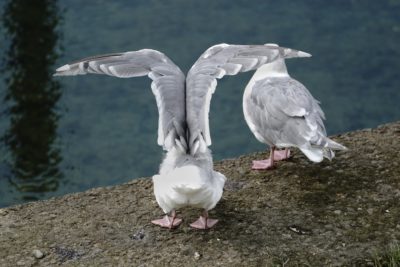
<point>286,111</point>
<point>168,84</point>
<point>215,63</point>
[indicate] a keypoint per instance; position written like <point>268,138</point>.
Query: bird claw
<point>265,164</point>
<point>203,223</point>
<point>168,222</point>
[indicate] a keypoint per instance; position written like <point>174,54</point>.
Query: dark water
<point>61,135</point>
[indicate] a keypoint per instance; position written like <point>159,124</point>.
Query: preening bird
<point>282,113</point>
<point>186,176</point>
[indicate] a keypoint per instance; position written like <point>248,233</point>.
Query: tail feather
<point>328,153</point>
<point>188,189</point>
<point>324,148</point>
<point>314,154</point>
<point>335,146</point>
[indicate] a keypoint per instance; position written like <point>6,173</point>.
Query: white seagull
<point>186,176</point>
<point>282,113</point>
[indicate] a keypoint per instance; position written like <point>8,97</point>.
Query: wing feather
<point>168,85</point>
<point>215,63</point>
<point>288,110</point>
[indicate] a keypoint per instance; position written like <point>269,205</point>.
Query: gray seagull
<point>282,113</point>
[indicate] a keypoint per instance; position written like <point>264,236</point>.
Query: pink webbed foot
<point>281,154</point>
<point>262,164</point>
<point>167,222</point>
<point>204,223</point>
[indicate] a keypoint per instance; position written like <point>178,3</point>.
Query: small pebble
<point>241,170</point>
<point>197,255</point>
<point>287,236</point>
<point>139,235</point>
<point>3,212</point>
<point>37,254</point>
<point>337,212</point>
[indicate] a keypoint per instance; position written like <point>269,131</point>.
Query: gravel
<point>37,254</point>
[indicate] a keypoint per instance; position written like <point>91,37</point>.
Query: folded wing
<point>286,113</point>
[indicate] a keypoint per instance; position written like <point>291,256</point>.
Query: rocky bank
<point>335,213</point>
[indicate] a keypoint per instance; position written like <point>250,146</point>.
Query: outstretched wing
<point>168,85</point>
<point>216,62</point>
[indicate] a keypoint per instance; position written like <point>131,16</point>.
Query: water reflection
<point>31,95</point>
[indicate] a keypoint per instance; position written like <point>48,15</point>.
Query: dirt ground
<point>300,214</point>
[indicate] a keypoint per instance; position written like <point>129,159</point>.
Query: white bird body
<point>186,180</point>
<point>282,113</point>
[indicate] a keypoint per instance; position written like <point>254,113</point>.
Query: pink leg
<point>281,154</point>
<point>204,222</point>
<point>266,163</point>
<point>275,155</point>
<point>168,221</point>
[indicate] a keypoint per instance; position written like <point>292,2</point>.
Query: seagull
<point>186,176</point>
<point>282,113</point>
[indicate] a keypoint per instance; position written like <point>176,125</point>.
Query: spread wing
<point>168,85</point>
<point>215,63</point>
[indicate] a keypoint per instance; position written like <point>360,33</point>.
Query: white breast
<point>247,114</point>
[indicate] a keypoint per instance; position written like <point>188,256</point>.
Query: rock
<point>197,255</point>
<point>37,254</point>
<point>3,212</point>
<point>323,208</point>
<point>241,170</point>
<point>21,263</point>
<point>139,235</point>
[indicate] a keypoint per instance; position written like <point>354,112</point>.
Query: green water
<point>61,135</point>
